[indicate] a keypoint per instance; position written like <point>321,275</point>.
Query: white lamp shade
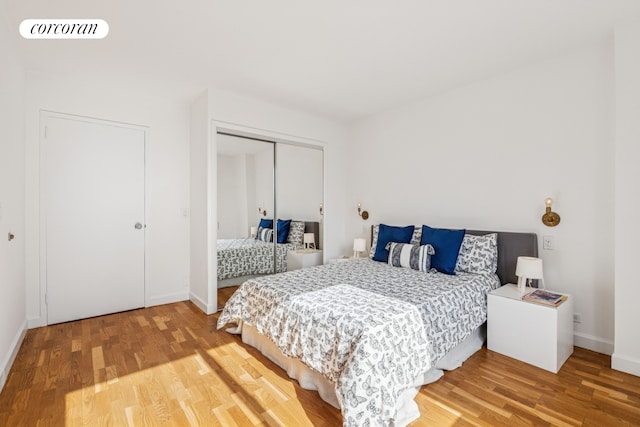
<point>359,245</point>
<point>253,231</point>
<point>309,238</point>
<point>529,267</point>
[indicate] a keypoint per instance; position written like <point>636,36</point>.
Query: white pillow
<point>478,254</point>
<point>265,234</point>
<point>411,256</point>
<point>296,234</point>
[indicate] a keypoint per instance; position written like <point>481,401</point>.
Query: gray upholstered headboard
<point>510,246</point>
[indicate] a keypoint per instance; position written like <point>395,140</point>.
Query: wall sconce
<point>363,214</point>
<point>321,209</point>
<point>550,219</point>
<point>262,211</point>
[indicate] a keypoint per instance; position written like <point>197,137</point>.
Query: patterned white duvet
<point>369,328</point>
<point>241,257</point>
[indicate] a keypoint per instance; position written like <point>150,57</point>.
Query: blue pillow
<point>283,226</point>
<point>386,234</point>
<point>446,243</point>
<point>265,223</point>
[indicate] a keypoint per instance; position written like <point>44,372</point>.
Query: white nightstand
<point>530,332</point>
<point>303,258</point>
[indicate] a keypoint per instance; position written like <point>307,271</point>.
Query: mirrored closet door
<point>299,190</point>
<point>270,196</point>
<point>245,207</point>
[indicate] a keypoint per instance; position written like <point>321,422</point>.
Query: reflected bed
<point>241,259</point>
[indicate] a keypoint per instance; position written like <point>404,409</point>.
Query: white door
<point>93,208</point>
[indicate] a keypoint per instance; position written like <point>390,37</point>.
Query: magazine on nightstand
<point>540,296</point>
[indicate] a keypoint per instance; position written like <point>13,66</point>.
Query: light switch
<point>547,243</point>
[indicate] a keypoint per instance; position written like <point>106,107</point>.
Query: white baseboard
<point>597,344</point>
<point>36,322</point>
<point>168,298</point>
<point>624,363</point>
<point>202,305</point>
<point>7,363</point>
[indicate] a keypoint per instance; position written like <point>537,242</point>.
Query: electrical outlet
<point>547,243</point>
<point>577,318</point>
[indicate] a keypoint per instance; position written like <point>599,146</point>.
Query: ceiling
<point>340,59</point>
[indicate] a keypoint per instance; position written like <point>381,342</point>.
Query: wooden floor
<point>168,365</point>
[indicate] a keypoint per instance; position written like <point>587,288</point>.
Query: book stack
<point>540,296</point>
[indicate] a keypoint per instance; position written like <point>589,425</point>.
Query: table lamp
<point>359,245</point>
<point>309,241</point>
<point>528,269</point>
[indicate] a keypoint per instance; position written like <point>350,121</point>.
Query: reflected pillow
<point>446,243</point>
<point>296,234</point>
<point>265,234</point>
<point>264,223</point>
<point>388,233</point>
<point>283,226</point>
<point>411,256</point>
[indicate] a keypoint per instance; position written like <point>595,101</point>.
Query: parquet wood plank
<point>168,365</point>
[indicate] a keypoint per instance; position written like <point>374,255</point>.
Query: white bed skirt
<point>407,409</point>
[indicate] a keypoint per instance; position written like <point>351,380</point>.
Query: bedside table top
<point>349,258</point>
<point>307,251</point>
<point>511,291</point>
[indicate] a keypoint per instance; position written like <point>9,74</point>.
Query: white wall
<point>263,184</point>
<point>299,178</point>
<point>486,156</point>
<point>166,175</point>
<point>13,318</point>
<point>251,214</point>
<point>626,356</point>
<point>199,204</point>
<point>232,196</point>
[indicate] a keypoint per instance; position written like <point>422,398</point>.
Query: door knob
<point>138,226</point>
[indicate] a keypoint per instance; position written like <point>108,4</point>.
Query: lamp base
<point>522,284</point>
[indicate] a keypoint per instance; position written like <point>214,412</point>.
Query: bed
<point>366,334</point>
<point>239,259</point>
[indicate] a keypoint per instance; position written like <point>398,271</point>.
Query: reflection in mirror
<point>245,201</point>
<point>299,189</point>
<point>250,240</point>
